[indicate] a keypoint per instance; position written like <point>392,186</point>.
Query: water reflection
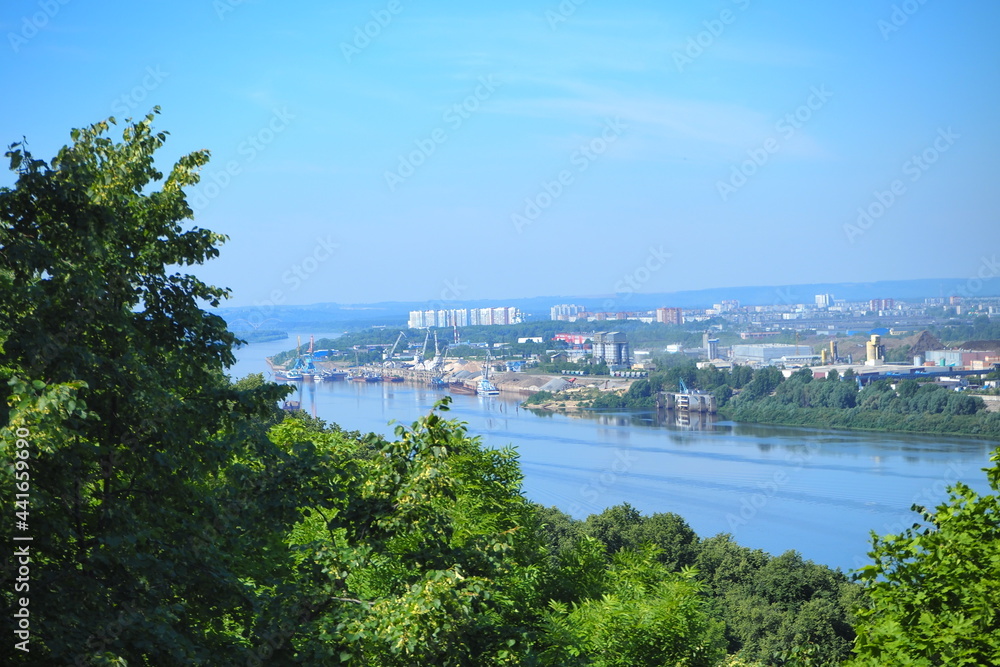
<point>679,419</point>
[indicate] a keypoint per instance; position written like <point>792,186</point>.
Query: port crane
<point>439,355</point>
<point>387,359</point>
<point>423,352</point>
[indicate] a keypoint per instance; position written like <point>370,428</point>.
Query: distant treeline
<point>261,335</point>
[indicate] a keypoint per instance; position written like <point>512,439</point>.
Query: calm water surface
<point>774,488</point>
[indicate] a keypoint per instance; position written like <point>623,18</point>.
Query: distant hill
<point>395,313</point>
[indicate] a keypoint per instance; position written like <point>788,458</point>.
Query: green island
<point>162,513</point>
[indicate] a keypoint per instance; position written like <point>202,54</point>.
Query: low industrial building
<point>767,353</point>
<point>961,358</point>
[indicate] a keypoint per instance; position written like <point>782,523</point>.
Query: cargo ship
<point>461,388</point>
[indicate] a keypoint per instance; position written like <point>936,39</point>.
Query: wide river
<point>816,491</point>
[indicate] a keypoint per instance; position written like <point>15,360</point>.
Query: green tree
<point>934,590</point>
<point>777,609</point>
<point>645,615</point>
<point>614,527</point>
<point>559,529</point>
<point>424,554</point>
<point>116,372</point>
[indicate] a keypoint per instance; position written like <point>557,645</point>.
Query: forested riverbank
<point>765,396</point>
<point>836,402</point>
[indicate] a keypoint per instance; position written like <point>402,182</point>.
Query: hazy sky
<point>402,150</point>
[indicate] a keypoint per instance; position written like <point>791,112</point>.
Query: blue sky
<point>517,149</point>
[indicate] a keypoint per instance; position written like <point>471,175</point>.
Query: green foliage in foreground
<point>772,608</point>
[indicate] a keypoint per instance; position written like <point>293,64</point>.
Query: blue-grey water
<point>819,492</point>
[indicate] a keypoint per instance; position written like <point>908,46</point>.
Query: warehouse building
<point>768,353</point>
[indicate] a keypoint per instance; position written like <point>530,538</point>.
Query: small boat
<point>392,378</point>
<point>485,387</point>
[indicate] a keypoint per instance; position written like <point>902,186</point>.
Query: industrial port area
<point>873,340</point>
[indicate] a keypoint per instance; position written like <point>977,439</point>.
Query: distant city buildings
<point>571,313</point>
<point>670,316</point>
<point>757,325</point>
<point>462,317</point>
<point>565,312</point>
<point>877,305</point>
<point>728,306</point>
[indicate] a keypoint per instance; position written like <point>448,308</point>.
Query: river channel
<point>819,492</point>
